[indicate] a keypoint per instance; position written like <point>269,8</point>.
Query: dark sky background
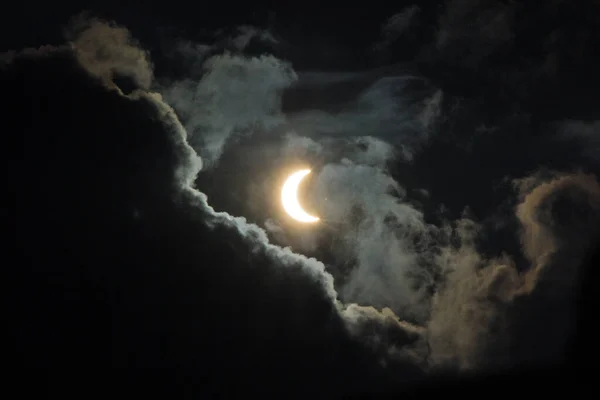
<point>455,149</point>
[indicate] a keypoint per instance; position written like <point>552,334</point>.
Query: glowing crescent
<point>289,197</point>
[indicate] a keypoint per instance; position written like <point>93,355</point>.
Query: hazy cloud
<point>235,96</point>
<point>471,30</point>
<point>397,25</point>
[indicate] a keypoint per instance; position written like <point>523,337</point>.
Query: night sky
<point>455,155</point>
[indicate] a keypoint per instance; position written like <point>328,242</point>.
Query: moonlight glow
<point>289,197</point>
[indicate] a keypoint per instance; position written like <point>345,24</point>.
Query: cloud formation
<point>353,127</point>
<point>228,90</point>
<point>106,49</point>
<point>489,312</point>
<point>382,282</point>
<point>141,191</point>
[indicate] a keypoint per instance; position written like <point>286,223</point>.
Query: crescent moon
<point>289,197</point>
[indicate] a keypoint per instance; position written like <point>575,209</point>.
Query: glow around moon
<point>289,197</point>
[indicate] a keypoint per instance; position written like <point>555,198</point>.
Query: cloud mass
<point>155,207</point>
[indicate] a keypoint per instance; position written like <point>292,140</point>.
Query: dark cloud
<point>136,213</point>
<point>381,247</point>
<point>131,267</point>
<point>505,51</point>
<point>470,31</point>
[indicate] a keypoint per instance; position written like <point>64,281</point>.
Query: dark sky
<point>455,154</point>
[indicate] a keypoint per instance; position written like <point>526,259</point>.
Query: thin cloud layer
<point>227,91</point>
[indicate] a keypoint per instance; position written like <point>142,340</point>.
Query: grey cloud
<point>386,109</point>
<point>273,226</point>
<point>383,105</point>
<point>92,39</point>
<point>190,163</point>
<point>386,335</point>
<point>299,146</point>
<point>257,237</point>
<point>7,58</point>
<point>372,152</point>
<point>397,25</point>
<point>191,54</point>
<point>399,294</point>
<point>246,33</point>
<point>289,293</point>
<point>385,241</point>
<point>471,30</point>
<point>381,331</point>
<point>431,111</point>
<point>483,307</point>
<point>366,207</point>
<point>236,96</point>
<point>361,150</point>
<point>389,271</point>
